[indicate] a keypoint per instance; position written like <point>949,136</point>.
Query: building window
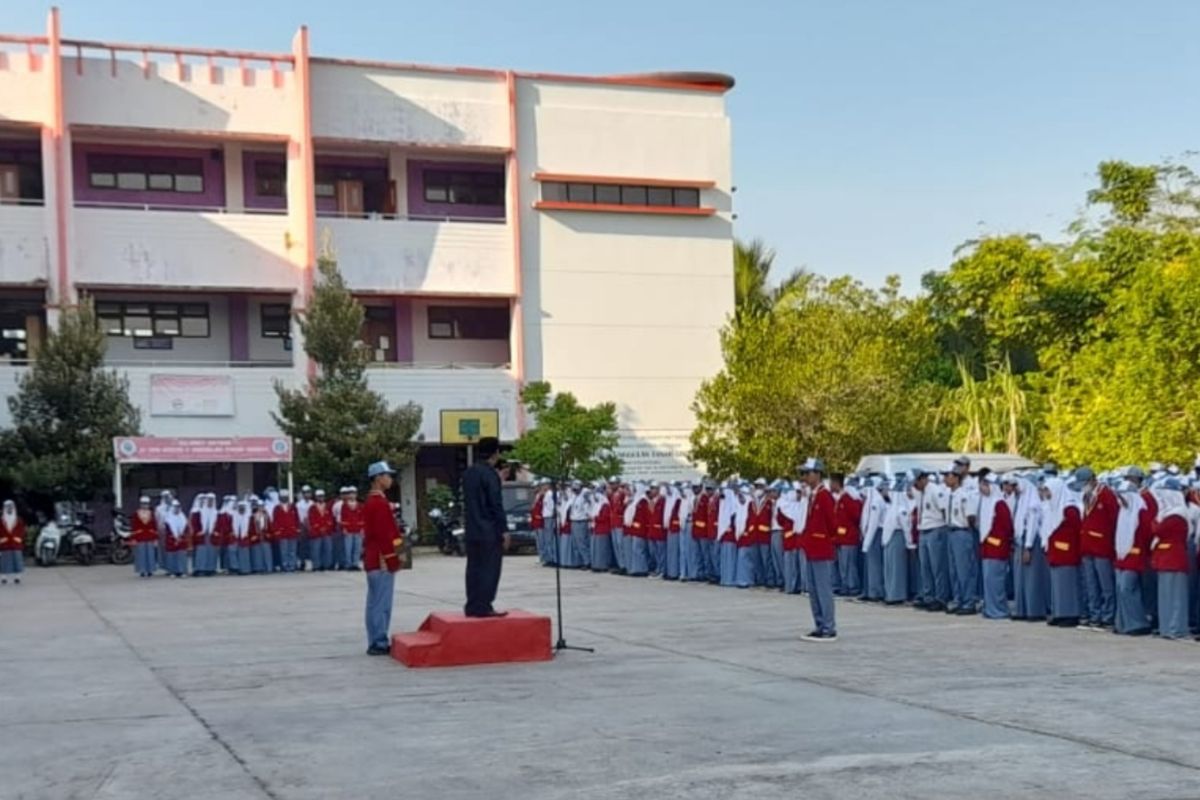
<point>146,174</point>
<point>276,320</point>
<point>21,175</point>
<point>625,195</point>
<point>468,322</point>
<point>22,326</point>
<point>352,190</point>
<point>270,178</point>
<point>154,321</point>
<point>464,187</point>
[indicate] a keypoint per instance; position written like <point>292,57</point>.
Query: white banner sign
<point>191,396</point>
<point>653,456</point>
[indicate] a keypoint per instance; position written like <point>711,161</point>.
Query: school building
<point>500,227</point>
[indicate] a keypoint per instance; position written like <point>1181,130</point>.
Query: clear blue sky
<point>869,137</point>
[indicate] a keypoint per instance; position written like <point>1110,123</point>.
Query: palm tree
<point>752,263</point>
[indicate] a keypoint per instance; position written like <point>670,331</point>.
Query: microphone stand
<point>561,644</point>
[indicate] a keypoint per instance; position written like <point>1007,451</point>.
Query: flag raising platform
<point>451,639</point>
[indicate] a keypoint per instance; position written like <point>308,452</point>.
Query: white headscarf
<point>728,511</point>
<point>1054,509</point>
<point>1027,518</point>
<point>1171,504</point>
<point>639,494</point>
<point>10,514</point>
<point>741,514</point>
<point>1132,505</point>
<point>241,520</point>
<point>875,507</point>
<point>270,501</point>
<point>175,520</point>
<point>599,503</point>
<point>897,517</point>
<point>987,509</point>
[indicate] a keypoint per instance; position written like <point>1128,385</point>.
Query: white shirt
<point>960,502</point>
<point>934,501</point>
<point>580,508</point>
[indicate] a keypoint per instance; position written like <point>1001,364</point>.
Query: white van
<point>895,463</point>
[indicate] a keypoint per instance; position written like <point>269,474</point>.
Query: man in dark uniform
<point>486,529</point>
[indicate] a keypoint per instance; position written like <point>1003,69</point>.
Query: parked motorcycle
<point>120,545</point>
<point>62,536</point>
<point>447,542</point>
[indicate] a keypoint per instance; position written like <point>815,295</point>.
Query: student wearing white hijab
<point>637,528</point>
<point>688,563</point>
<point>744,572</point>
<point>895,539</point>
<point>1061,519</point>
<point>1169,558</point>
<point>144,533</point>
<point>302,507</point>
<point>160,519</point>
<point>1132,548</point>
<point>727,531</point>
<point>239,537</point>
<point>600,513</point>
<point>795,561</point>
<point>203,519</point>
<point>227,552</point>
<point>877,500</point>
<point>176,524</point>
<point>260,538</point>
<point>1033,588</point>
<point>995,546</point>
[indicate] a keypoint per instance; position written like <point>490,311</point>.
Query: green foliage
<point>65,413</point>
<point>567,435</point>
<point>753,295</point>
<point>1082,350</point>
<point>830,371</point>
<point>338,424</point>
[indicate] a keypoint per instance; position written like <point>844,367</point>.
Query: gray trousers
<point>1098,583</point>
<point>1131,616</point>
<point>964,547</point>
<point>820,595</point>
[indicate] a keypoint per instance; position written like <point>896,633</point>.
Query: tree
<point>567,434</point>
<point>753,294</point>
<point>338,424</point>
<point>835,371</point>
<point>65,414</point>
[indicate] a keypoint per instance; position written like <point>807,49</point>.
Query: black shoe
<point>965,612</point>
<point>378,651</point>
<point>936,605</point>
<point>820,636</point>
<point>1141,632</point>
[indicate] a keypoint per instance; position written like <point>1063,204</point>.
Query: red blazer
<point>286,522</point>
<point>198,536</point>
<point>641,520</point>
<point>603,525</point>
<point>656,531</point>
<point>997,545</point>
<point>616,504</point>
<point>382,536</point>
<point>817,537</point>
<point>1100,525</point>
<point>537,520</point>
<point>259,531</point>
<point>791,537</point>
<point>1138,557</point>
<point>700,517</point>
<point>320,521</point>
<point>14,540</point>
<point>760,522</point>
<point>847,516</point>
<point>178,544</point>
<point>1170,553</point>
<point>352,519</point>
<point>143,530</point>
<point>714,512</point>
<point>1064,542</point>
<point>223,535</point>
<point>674,524</point>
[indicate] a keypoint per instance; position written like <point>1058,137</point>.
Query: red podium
<point>448,639</point>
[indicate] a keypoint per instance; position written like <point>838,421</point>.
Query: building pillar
<point>516,330</point>
<point>235,187</point>
<point>301,196</point>
<point>56,166</point>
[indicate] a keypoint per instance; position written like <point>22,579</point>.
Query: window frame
<point>263,316</point>
<point>451,315</point>
<point>155,310</point>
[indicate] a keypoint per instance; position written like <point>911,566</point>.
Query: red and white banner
<point>202,449</point>
<point>191,395</point>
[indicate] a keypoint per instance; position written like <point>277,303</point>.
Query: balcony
<point>25,76</point>
<point>220,400</point>
<point>415,256</point>
<point>135,245</point>
<point>437,389</point>
<point>24,244</point>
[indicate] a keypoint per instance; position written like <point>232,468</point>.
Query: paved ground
<point>257,688</point>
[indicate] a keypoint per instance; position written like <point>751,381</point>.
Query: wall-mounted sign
<point>202,449</point>
<point>191,396</point>
<point>469,426</point>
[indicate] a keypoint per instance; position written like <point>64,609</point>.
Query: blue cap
<point>379,468</point>
<point>813,465</point>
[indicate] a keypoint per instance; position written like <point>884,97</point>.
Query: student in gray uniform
<point>877,500</point>
<point>896,542</point>
<point>963,544</point>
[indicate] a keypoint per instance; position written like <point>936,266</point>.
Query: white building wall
<point>26,93</point>
<point>214,349</point>
<point>625,307</point>
<point>24,244</point>
<point>453,351</point>
<point>187,99</point>
<point>436,390</point>
<point>182,249</point>
<point>419,256</point>
<point>402,106</point>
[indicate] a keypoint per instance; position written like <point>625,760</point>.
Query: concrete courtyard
<point>257,687</point>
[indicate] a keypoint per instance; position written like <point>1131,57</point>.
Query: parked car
<point>517,497</point>
<point>895,463</point>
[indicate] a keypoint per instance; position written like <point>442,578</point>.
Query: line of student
<point>248,535</point>
<point>1111,552</point>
